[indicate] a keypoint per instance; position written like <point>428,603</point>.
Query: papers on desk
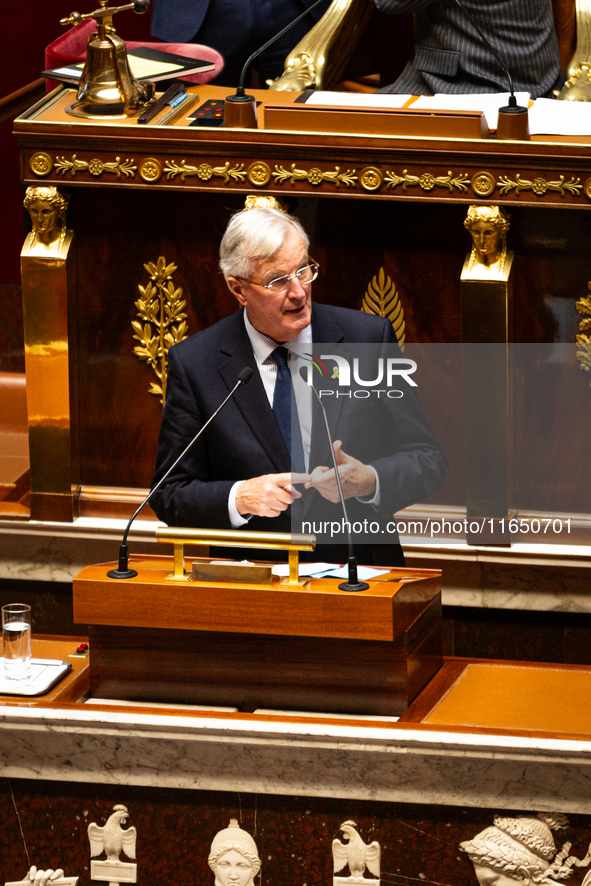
<point>357,99</point>
<point>328,570</point>
<point>550,117</point>
<point>488,103</point>
<point>546,115</point>
<point>45,672</point>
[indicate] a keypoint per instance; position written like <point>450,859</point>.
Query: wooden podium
<point>261,646</point>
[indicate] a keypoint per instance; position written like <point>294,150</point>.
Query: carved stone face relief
<point>490,877</point>
<point>234,857</point>
<point>522,851</point>
<point>233,869</point>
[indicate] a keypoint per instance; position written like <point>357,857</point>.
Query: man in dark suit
<point>239,473</point>
<point>236,28</point>
<point>450,56</point>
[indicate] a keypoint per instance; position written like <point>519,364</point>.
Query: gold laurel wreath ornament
<point>161,307</point>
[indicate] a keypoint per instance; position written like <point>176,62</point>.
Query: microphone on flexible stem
<point>240,110</point>
<point>513,122</point>
<point>352,583</point>
<point>123,570</point>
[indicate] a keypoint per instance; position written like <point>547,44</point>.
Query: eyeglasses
<point>281,284</point>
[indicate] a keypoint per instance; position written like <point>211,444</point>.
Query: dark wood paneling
<point>251,671</point>
<point>12,343</point>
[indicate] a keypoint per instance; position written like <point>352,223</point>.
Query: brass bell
<point>107,87</point>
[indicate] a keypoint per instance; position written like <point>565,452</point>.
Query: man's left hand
<point>357,480</point>
<point>43,877</point>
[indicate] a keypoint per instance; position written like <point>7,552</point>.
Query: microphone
<point>352,584</point>
<point>123,570</point>
<point>513,122</point>
<point>240,109</point>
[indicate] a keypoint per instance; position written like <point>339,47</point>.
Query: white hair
<point>254,235</point>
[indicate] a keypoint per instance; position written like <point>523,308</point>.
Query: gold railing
<point>237,538</point>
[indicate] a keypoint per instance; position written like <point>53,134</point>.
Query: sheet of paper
<point>357,99</point>
<point>550,117</point>
<point>305,569</point>
<point>488,103</point>
<point>328,570</point>
<point>74,71</point>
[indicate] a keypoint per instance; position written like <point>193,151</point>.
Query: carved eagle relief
<point>112,839</point>
<point>355,853</point>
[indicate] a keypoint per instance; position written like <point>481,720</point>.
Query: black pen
<point>171,93</point>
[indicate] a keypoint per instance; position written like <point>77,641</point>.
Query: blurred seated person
<point>236,28</point>
<point>451,57</point>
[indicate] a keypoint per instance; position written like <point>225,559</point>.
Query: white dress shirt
<point>263,347</point>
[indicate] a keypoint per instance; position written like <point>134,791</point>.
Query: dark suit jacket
<point>245,441</point>
<point>450,56</point>
<point>177,21</point>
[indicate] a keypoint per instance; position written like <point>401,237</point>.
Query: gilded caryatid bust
<point>489,259</point>
<point>521,851</point>
<point>49,237</point>
<point>234,857</point>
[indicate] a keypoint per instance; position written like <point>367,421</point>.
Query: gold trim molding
<point>259,173</point>
<point>161,307</point>
<point>150,169</point>
<point>583,340</point>
<point>95,167</point>
<point>204,171</point>
<point>371,178</point>
<point>315,176</point>
<point>40,164</point>
<point>539,185</point>
<point>427,181</point>
<point>483,183</point>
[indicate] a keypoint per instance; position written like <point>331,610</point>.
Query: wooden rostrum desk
<point>261,646</point>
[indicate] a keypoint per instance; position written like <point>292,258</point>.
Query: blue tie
<point>286,411</point>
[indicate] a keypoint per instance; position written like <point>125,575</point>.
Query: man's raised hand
<point>268,495</point>
<point>357,479</point>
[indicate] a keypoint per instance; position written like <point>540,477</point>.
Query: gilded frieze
<point>427,181</point>
<point>95,167</point>
<point>204,171</point>
<point>539,185</point>
<point>583,306</point>
<point>315,176</point>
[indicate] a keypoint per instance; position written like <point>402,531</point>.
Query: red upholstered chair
<point>71,47</point>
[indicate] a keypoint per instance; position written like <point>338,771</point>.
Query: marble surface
<point>315,759</point>
<point>531,577</point>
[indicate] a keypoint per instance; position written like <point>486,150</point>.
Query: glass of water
<point>16,637</point>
